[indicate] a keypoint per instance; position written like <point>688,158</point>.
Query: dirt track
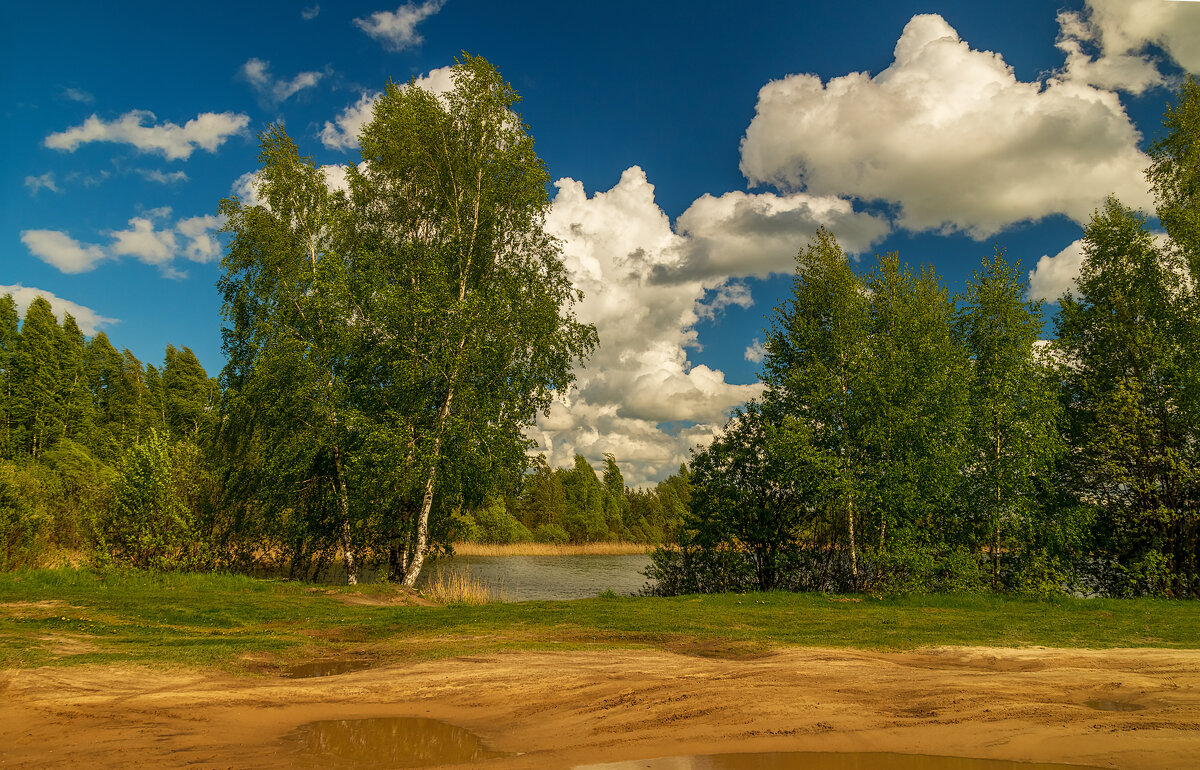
<point>567,708</point>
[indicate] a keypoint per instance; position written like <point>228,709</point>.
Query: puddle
<point>806,760</point>
<point>1103,704</point>
<point>386,742</point>
<point>325,668</point>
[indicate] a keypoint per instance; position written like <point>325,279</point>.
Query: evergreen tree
<point>74,394</point>
<point>584,520</point>
<point>9,333</point>
<point>36,364</point>
<point>186,393</point>
<point>615,503</point>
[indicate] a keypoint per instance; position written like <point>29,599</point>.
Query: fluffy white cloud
<point>1122,30</point>
<point>199,235</point>
<point>43,182</point>
<point>89,320</point>
<point>1053,276</point>
<point>748,234</point>
<point>193,238</point>
<point>207,131</point>
<point>308,14</point>
<point>639,396</point>
<point>144,242</point>
<point>755,353</point>
<point>342,132</point>
<point>257,73</point>
<point>950,135</point>
<point>61,250</point>
<point>1078,38</point>
<point>397,29</point>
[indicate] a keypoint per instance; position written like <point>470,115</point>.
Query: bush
<point>551,533</point>
<point>23,525</point>
<point>153,520</point>
<point>495,525</point>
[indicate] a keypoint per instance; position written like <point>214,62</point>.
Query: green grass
<point>72,617</point>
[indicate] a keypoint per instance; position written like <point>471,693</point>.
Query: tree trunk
<point>344,503</point>
<point>413,570</point>
<point>853,546</point>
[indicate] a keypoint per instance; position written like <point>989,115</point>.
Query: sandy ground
<point>563,709</point>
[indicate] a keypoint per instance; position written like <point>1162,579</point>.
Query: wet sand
<point>569,708</point>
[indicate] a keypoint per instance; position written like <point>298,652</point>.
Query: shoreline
<point>551,549</point>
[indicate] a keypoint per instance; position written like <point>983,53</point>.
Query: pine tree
<point>37,405</point>
<point>9,333</point>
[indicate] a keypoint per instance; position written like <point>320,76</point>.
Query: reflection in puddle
<point>806,760</point>
<point>1103,704</point>
<point>325,668</point>
<point>386,742</point>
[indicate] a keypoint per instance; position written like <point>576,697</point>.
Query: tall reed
<point>449,587</point>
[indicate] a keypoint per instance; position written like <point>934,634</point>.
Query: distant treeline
<point>108,459</point>
<point>99,453</point>
<point>911,441</point>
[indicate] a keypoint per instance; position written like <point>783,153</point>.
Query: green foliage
<point>388,346</point>
<point>1127,347</point>
<point>24,525</point>
<point>154,519</point>
<point>494,524</point>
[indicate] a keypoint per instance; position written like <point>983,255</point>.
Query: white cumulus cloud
<point>755,353</point>
<point>397,30</point>
<point>1053,276</point>
<point>310,13</point>
<point>206,131</point>
<point>257,73</point>
<point>639,397</point>
<point>748,234</point>
<point>1122,30</point>
<point>144,242</point>
<point>62,251</point>
<point>89,320</point>
<point>950,135</point>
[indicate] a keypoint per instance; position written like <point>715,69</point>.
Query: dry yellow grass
<point>549,549</point>
<point>458,588</point>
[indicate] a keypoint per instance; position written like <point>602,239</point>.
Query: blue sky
<point>702,142</point>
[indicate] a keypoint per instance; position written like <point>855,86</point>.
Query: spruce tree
<point>37,404</point>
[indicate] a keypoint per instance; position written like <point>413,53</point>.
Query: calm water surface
<point>386,742</point>
<point>541,578</point>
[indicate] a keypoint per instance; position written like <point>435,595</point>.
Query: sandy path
<point>573,707</point>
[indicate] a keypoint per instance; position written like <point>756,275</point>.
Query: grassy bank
<point>549,549</point>
<point>70,617</point>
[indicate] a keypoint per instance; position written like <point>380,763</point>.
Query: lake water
<point>541,578</point>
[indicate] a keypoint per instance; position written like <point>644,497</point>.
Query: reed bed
<point>549,549</point>
<point>458,588</point>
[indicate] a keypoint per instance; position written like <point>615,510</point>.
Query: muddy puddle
<point>386,742</point>
<point>314,668</point>
<point>1103,704</point>
<point>803,760</point>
